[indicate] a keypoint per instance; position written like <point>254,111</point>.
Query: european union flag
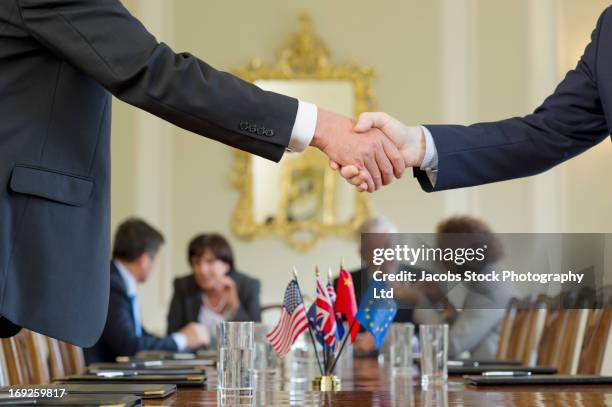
<point>376,314</point>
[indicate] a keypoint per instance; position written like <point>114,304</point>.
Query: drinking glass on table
<point>401,347</point>
<point>434,353</point>
<point>235,348</point>
<point>266,361</point>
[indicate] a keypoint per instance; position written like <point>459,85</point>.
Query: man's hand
<point>230,293</point>
<point>369,152</point>
<point>410,141</point>
<point>197,335</point>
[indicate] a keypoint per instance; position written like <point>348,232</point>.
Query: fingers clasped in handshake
<point>370,153</point>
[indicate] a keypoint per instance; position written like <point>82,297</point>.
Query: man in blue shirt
<point>134,259</point>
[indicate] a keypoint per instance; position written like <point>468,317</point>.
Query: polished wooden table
<point>369,384</point>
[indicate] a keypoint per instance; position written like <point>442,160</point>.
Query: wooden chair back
<point>520,330</point>
<point>505,330</point>
<point>73,358</point>
<point>535,321</point>
<point>34,355</point>
<point>14,361</point>
<point>56,364</point>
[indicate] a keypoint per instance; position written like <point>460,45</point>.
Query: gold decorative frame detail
<point>304,57</point>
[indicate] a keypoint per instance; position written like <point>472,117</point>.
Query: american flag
<point>326,319</point>
<point>292,323</point>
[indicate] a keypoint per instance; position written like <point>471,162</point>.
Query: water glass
<point>266,360</point>
<point>434,353</point>
<point>401,347</point>
<point>235,349</point>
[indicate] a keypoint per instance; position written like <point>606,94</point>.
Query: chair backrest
<point>505,330</point>
<point>572,340</point>
<point>535,322</point>
<point>14,361</point>
<point>520,330</point>
<point>597,344</point>
<point>34,351</point>
<point>549,347</point>
<point>72,358</point>
<point>56,364</point>
<point>4,381</point>
<point>270,313</point>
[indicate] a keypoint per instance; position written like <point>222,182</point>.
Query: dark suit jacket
<point>60,61</point>
<point>118,337</point>
<point>573,119</point>
<point>187,299</point>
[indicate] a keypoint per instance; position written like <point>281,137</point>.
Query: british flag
<point>292,323</point>
<point>326,319</point>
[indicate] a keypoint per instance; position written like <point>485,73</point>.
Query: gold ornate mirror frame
<point>304,57</point>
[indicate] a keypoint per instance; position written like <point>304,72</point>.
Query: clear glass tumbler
<point>266,361</point>
<point>434,353</point>
<point>235,349</point>
<point>401,347</point>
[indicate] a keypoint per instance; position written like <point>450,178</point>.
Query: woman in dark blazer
<point>214,291</point>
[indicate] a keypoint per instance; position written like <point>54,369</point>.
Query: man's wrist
<point>180,340</point>
<point>415,148</point>
<point>319,136</point>
<point>304,127</point>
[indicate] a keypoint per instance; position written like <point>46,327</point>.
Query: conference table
<point>370,384</point>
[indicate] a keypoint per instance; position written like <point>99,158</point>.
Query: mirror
<point>301,199</point>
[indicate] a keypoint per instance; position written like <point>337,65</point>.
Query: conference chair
<point>505,331</point>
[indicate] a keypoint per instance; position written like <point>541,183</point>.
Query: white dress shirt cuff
<point>430,161</point>
<point>180,340</point>
<point>304,127</point>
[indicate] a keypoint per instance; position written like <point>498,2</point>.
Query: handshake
<point>371,152</point>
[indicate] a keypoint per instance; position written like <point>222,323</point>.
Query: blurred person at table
<point>214,291</point>
<point>376,232</point>
<point>134,260</point>
<point>473,310</point>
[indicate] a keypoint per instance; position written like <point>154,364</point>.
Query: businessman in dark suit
<point>570,121</point>
<point>134,259</point>
<point>60,61</point>
<point>214,291</point>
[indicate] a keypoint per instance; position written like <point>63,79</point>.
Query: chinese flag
<point>346,304</point>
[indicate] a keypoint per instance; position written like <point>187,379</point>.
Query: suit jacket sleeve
<point>176,314</point>
<point>119,333</point>
<point>105,41</point>
<point>250,308</point>
<point>569,122</point>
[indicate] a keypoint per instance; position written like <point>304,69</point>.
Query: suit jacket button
<point>244,125</point>
<point>252,128</point>
<point>261,131</point>
<point>269,133</point>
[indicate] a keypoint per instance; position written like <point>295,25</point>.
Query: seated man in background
<point>473,310</point>
<point>214,291</point>
<point>134,259</point>
<point>380,230</point>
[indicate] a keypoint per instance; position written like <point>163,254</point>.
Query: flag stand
<point>348,333</point>
<point>326,383</point>
<point>295,273</point>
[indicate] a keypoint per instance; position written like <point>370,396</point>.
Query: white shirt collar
<point>130,282</point>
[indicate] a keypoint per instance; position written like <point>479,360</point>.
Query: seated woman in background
<point>473,310</point>
<point>214,291</point>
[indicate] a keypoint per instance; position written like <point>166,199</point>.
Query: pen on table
<point>462,363</point>
<point>509,373</point>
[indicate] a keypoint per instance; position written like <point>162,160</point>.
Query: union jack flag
<point>293,321</point>
<point>326,318</point>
